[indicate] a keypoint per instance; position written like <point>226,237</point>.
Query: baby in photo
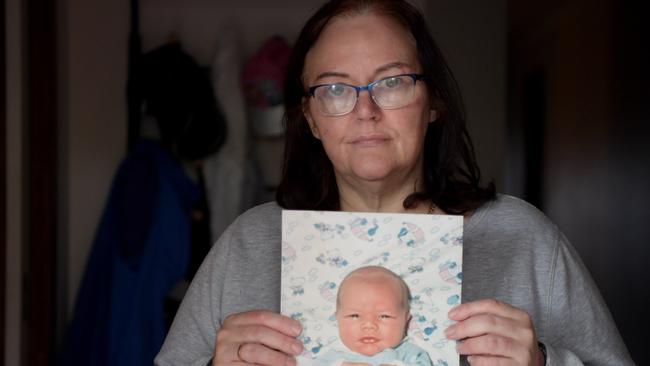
<point>373,312</point>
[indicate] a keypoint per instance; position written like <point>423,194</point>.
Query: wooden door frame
<point>3,178</point>
<point>40,182</point>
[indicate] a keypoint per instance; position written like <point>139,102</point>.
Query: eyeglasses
<point>388,93</point>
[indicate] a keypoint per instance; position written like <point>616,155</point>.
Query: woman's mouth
<point>369,140</point>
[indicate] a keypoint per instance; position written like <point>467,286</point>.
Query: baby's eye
<point>385,316</point>
<point>353,316</point>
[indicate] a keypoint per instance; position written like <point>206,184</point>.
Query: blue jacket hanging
<point>141,250</point>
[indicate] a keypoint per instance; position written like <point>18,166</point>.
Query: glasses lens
<point>394,92</point>
<point>335,99</point>
<point>389,93</point>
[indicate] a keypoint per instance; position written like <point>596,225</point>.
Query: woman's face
<point>369,144</point>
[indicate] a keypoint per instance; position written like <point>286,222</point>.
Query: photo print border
<point>319,248</point>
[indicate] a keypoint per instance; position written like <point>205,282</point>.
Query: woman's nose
<point>366,108</point>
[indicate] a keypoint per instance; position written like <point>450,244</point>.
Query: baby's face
<point>371,316</point>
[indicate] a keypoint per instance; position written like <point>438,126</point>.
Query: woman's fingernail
<point>470,359</point>
<point>296,328</point>
<point>453,311</point>
<point>449,332</point>
<point>296,348</point>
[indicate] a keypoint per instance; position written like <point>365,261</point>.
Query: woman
<point>374,124</point>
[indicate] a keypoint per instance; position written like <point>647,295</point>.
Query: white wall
<point>94,95</point>
<point>13,278</point>
<point>199,23</point>
<point>95,76</point>
<point>94,37</point>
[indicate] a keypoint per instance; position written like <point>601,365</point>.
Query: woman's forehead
<point>360,46</point>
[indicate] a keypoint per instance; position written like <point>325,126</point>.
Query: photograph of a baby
<point>371,289</point>
<point>373,313</point>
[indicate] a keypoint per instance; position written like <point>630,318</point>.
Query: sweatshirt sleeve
<point>192,336</point>
<point>581,330</point>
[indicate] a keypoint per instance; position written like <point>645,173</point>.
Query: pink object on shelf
<point>264,73</point>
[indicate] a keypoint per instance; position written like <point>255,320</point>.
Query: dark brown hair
<point>450,172</point>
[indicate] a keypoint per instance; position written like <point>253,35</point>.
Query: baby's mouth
<point>369,340</point>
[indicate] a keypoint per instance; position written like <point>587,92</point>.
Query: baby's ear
<point>407,323</point>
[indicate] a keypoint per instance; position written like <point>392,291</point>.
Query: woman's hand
<point>257,337</point>
<point>494,333</point>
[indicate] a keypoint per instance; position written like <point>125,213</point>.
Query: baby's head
<point>372,310</point>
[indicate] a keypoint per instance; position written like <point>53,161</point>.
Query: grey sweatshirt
<point>511,252</point>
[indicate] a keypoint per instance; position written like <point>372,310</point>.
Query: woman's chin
<point>377,172</point>
<point>372,170</point>
<point>371,176</point>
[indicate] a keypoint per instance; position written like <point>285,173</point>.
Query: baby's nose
<point>369,324</point>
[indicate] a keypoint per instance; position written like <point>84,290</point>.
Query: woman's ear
<point>433,115</point>
<point>312,125</point>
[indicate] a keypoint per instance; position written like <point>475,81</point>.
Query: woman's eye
<point>336,90</point>
<point>392,82</point>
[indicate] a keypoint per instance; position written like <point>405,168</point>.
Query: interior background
<point>556,94</point>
